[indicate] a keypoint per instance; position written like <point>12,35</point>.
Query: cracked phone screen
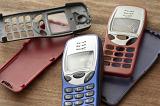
<point>61,19</point>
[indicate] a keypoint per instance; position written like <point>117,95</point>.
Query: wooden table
<point>45,90</point>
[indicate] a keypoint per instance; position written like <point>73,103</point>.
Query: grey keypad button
<point>120,48</point>
<point>89,87</point>
<point>90,93</point>
<point>129,55</point>
<point>89,100</point>
<point>78,102</point>
<point>130,49</point>
<point>78,74</point>
<point>118,54</point>
<point>68,90</point>
<point>127,60</point>
<point>79,96</point>
<point>68,97</point>
<point>68,104</point>
<point>126,65</point>
<point>89,77</point>
<point>67,78</point>
<point>79,89</point>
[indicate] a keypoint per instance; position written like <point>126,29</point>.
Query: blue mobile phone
<point>81,71</point>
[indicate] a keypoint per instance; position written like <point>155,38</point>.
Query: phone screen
<point>125,25</point>
<point>80,61</point>
<point>61,19</point>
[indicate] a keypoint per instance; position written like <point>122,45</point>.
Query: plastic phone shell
<point>115,88</point>
<point>30,61</point>
<point>120,47</point>
<point>74,16</point>
<point>77,44</point>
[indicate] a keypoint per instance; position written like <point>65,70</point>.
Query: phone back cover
<point>115,88</point>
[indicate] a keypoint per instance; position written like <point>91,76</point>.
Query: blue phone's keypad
<point>79,95</point>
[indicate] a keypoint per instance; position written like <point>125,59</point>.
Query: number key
<point>89,87</point>
<point>89,100</point>
<point>79,95</point>
<point>90,93</point>
<point>68,103</point>
<point>79,89</point>
<point>68,90</point>
<point>79,102</point>
<point>68,97</point>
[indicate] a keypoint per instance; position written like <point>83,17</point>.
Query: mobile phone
<point>115,88</point>
<point>81,71</point>
<point>124,33</point>
<point>74,16</point>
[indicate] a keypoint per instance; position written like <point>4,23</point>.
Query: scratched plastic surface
<point>114,88</point>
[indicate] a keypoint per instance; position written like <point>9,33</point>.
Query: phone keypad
<point>80,95</point>
<point>118,56</point>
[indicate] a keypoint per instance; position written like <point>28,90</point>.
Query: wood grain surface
<point>45,90</point>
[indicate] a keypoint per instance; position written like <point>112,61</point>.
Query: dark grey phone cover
<point>115,88</point>
<point>73,16</point>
